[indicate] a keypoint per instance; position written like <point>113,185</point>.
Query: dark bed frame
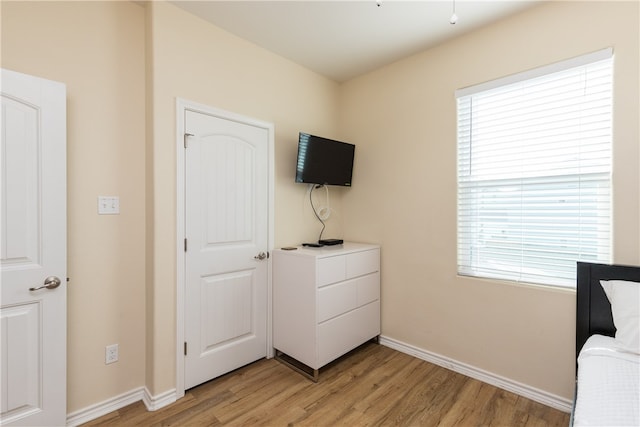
<point>593,310</point>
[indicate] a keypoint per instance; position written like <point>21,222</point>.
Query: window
<point>534,172</point>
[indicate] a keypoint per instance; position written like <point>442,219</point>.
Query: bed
<point>607,346</point>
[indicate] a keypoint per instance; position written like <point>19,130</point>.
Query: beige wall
<point>194,60</point>
<point>97,50</point>
<point>403,118</point>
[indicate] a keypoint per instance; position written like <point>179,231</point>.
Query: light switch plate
<point>108,205</point>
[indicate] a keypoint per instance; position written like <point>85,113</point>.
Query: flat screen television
<point>324,161</point>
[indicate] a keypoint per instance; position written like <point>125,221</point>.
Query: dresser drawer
<point>331,270</point>
<point>361,263</point>
<point>344,333</point>
<point>339,298</point>
<point>336,299</point>
<point>368,288</point>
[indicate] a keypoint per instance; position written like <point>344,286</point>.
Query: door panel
<point>227,163</point>
<point>33,248</point>
<point>226,224</point>
<point>20,152</point>
<point>21,351</point>
<point>227,307</point>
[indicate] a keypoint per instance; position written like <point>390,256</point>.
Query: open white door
<point>33,251</point>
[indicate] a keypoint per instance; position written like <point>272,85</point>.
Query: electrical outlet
<point>111,354</point>
<point>108,205</point>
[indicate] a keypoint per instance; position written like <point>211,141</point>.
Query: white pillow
<point>624,297</point>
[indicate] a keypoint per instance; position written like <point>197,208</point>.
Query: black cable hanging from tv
<point>314,209</point>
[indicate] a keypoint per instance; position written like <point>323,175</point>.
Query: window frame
<point>466,267</point>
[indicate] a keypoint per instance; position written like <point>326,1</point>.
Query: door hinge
<point>184,139</point>
<point>185,348</point>
<point>185,245</point>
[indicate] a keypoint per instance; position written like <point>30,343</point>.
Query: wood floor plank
<point>367,385</point>
<point>473,405</point>
<point>394,400</point>
<point>372,386</point>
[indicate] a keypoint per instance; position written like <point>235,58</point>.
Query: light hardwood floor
<point>373,385</point>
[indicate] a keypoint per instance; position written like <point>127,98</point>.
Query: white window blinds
<point>534,172</point>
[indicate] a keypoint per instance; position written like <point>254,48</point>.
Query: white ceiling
<point>343,39</point>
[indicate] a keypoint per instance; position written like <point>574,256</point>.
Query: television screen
<point>324,161</point>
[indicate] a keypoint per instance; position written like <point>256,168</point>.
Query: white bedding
<point>608,384</point>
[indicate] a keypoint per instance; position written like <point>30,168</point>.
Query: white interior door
<point>226,226</point>
<point>34,251</point>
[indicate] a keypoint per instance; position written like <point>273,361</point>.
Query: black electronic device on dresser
<point>330,242</point>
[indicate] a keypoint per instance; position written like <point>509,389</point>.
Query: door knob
<point>50,282</point>
<point>260,256</point>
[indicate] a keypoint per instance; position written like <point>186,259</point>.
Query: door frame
<point>183,105</point>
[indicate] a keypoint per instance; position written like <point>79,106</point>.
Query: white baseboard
<point>524,390</point>
<point>99,409</point>
<point>160,401</point>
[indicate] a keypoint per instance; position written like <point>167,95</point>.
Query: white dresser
<point>326,301</point>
